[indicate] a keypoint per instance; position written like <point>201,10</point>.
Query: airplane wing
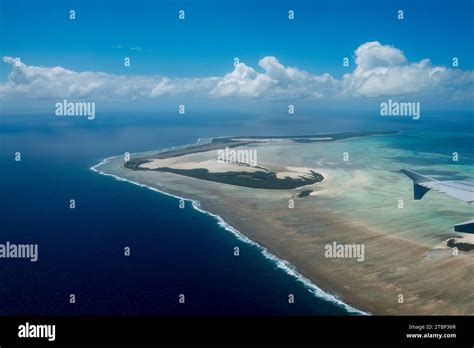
<point>460,189</point>
<point>463,190</point>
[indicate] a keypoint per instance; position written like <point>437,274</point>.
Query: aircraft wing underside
<point>460,189</point>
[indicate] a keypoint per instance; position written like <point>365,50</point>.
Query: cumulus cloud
<point>34,82</point>
<point>373,54</point>
<point>244,81</point>
<point>276,81</point>
<point>381,70</point>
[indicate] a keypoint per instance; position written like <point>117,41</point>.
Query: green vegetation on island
<point>257,179</point>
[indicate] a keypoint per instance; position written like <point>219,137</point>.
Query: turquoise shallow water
<point>369,186</point>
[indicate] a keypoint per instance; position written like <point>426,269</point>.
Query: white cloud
<point>243,82</point>
<point>34,82</point>
<point>381,70</point>
<point>384,71</point>
<point>276,82</point>
<point>373,54</point>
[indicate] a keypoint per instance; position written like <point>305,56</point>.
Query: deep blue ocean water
<point>173,250</point>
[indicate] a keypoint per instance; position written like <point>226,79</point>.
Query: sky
<point>279,59</point>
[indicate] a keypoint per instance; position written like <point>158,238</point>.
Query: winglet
<point>419,190</point>
<point>466,226</point>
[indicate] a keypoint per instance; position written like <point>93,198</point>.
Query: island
<point>299,196</point>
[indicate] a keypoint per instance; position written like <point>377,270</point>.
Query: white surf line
<point>282,264</point>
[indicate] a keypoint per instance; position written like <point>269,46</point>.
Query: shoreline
<point>282,264</point>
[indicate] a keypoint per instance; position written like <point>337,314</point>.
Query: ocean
<point>173,251</point>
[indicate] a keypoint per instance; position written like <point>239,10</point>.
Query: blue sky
<point>214,32</point>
